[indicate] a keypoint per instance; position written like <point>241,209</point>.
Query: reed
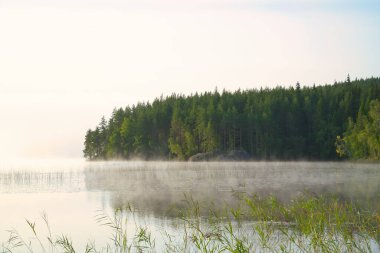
<point>307,224</point>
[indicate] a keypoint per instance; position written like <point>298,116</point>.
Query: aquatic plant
<point>307,224</point>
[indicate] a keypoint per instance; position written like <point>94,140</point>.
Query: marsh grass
<point>307,224</point>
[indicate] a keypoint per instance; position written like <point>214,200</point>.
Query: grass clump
<point>307,224</point>
<point>315,223</point>
<point>121,240</point>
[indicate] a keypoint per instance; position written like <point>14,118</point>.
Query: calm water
<point>73,192</point>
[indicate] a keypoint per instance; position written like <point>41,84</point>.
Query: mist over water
<point>156,186</point>
<point>71,192</point>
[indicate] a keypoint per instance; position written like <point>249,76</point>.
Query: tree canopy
<point>362,138</point>
<point>279,123</point>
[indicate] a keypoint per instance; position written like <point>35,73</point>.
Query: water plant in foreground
<point>307,224</point>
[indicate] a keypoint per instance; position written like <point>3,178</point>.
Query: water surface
<point>72,192</point>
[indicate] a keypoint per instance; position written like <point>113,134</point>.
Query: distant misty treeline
<point>280,123</point>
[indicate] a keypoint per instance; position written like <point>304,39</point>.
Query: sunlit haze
<point>65,63</point>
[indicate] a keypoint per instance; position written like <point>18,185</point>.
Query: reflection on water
<point>72,192</point>
<point>157,187</point>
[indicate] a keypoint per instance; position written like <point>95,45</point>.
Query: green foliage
<point>279,123</point>
<point>306,224</point>
<point>362,138</point>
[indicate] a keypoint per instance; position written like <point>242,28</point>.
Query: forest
<point>325,122</point>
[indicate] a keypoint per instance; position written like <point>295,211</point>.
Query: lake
<point>72,193</point>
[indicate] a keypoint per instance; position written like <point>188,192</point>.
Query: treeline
<point>280,123</point>
<point>362,138</point>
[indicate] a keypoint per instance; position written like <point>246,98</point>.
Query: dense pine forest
<point>318,123</point>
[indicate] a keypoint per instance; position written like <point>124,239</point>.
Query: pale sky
<point>65,63</point>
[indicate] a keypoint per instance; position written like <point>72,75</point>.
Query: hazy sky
<point>65,63</point>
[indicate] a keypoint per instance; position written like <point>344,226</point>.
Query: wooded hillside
<point>280,123</point>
